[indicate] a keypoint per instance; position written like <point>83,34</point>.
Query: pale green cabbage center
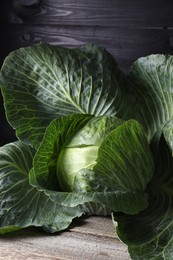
<point>73,159</point>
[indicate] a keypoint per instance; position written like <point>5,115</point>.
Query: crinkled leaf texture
<point>149,233</point>
<point>150,87</point>
<point>116,195</point>
<point>44,82</point>
<point>125,161</point>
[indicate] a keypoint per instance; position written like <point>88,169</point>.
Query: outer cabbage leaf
<point>126,199</point>
<point>149,233</point>
<point>125,161</point>
<point>150,87</point>
<point>44,82</point>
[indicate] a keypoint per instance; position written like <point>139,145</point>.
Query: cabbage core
<point>73,159</point>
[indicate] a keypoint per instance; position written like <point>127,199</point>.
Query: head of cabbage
<point>101,156</point>
<point>79,154</point>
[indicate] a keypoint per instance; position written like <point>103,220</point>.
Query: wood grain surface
<point>126,45</point>
<point>91,239</point>
<point>92,12</point>
<point>128,29</point>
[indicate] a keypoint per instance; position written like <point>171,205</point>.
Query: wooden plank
<point>99,226</point>
<point>126,45</point>
<point>91,240</point>
<point>92,12</point>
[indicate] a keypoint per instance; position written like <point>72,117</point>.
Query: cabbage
<point>90,141</point>
<point>81,151</point>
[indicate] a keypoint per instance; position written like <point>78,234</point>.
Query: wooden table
<point>92,238</point>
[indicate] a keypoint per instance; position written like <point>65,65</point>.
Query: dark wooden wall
<point>128,29</point>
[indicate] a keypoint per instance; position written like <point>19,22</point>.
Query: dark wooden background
<point>128,29</point>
